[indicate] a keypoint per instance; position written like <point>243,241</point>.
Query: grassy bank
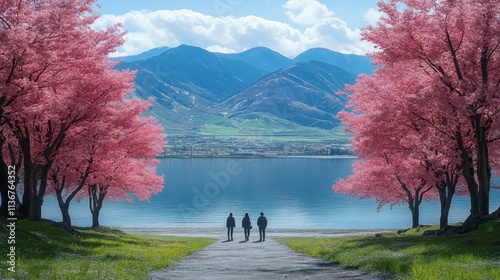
<point>44,251</point>
<point>474,255</point>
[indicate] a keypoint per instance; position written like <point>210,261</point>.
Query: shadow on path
<point>254,260</point>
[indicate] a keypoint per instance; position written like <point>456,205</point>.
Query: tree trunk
<point>446,192</point>
<point>413,201</point>
<point>416,201</point>
<point>483,171</point>
<point>414,209</point>
<point>29,192</point>
<point>445,197</point>
<point>468,174</point>
<point>4,189</point>
<point>415,216</point>
<point>482,127</point>
<point>4,184</point>
<point>64,206</point>
<point>95,218</point>
<point>35,173</point>
<point>28,208</point>
<point>41,191</point>
<point>95,203</point>
<point>443,219</point>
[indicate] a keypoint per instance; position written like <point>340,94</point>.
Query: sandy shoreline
<point>221,233</point>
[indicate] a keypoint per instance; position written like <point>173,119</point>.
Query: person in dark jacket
<point>230,224</point>
<point>262,223</point>
<point>246,225</point>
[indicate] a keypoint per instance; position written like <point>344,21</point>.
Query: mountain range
<point>258,91</point>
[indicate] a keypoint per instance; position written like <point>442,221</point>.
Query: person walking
<point>262,223</point>
<point>230,224</point>
<point>246,225</point>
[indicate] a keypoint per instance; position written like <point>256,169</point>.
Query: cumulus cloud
<point>306,12</point>
<point>372,16</point>
<point>151,29</point>
<point>334,34</point>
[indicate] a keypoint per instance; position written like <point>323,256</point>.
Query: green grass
<point>263,126</point>
<point>474,255</point>
<point>45,251</point>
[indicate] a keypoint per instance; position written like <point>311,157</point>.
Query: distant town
<point>199,146</point>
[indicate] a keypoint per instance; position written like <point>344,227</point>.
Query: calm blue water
<point>292,192</point>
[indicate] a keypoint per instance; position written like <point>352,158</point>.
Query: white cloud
<point>334,34</point>
<point>306,12</point>
<point>151,29</point>
<point>219,49</point>
<point>372,16</point>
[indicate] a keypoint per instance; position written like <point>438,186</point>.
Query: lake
<point>293,192</point>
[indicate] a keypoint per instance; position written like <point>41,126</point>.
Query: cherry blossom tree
<point>134,176</point>
<point>434,101</point>
<point>389,181</point>
<point>386,124</point>
<point>69,173</point>
<point>132,170</point>
<point>13,65</point>
<point>455,44</point>
<point>57,76</point>
<point>113,154</point>
<point>391,166</point>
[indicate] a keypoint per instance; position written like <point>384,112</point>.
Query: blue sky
<point>287,26</point>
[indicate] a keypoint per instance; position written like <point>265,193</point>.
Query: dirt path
<point>254,260</point>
